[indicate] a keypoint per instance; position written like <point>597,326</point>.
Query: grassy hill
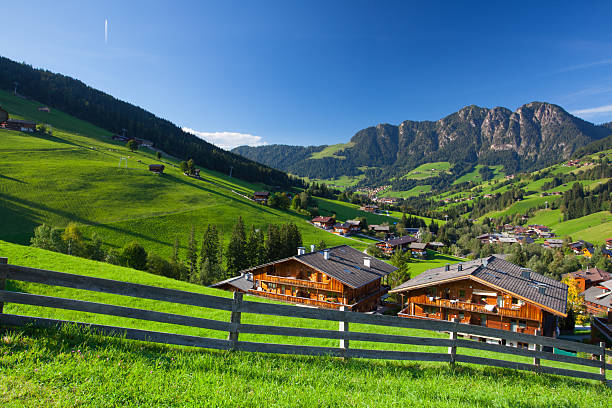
<point>71,367</point>
<point>74,175</point>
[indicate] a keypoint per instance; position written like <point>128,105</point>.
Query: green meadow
<point>80,176</point>
<point>74,367</point>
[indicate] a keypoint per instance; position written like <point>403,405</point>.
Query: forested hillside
<point>84,102</point>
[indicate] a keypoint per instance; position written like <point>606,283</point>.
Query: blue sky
<point>316,72</point>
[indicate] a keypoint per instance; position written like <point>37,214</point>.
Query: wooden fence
<point>234,327</point>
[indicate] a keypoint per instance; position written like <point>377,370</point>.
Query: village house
<point>343,229</point>
<point>609,244</point>
<point>488,292</point>
<point>588,277</point>
<point>355,226</point>
<point>598,298</point>
<point>371,208</point>
<point>261,197</point>
<point>379,228</point>
<point>390,246</point>
<point>44,109</point>
<point>435,245</point>
<point>582,247</point>
<point>418,250</point>
<point>553,243</point>
<point>157,168</point>
<point>19,125</point>
<point>334,277</point>
<point>324,222</point>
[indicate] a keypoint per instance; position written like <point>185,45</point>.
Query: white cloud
<point>227,140</point>
<point>593,111</point>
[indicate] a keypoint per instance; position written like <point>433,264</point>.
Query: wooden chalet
<point>396,244</point>
<point>418,250</point>
<point>335,277</point>
<point>588,277</point>
<point>44,109</point>
<point>20,125</point>
<point>609,244</point>
<point>261,197</point>
<point>488,292</point>
<point>598,298</point>
<point>582,247</point>
<point>324,222</point>
<point>157,168</point>
<point>343,228</point>
<point>553,243</point>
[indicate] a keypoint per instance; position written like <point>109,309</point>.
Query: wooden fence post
<point>452,350</point>
<point>343,326</point>
<point>235,319</point>
<point>538,347</point>
<point>3,273</point>
<point>602,358</point>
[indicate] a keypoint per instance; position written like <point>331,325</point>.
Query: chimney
<point>447,267</point>
<point>525,273</point>
<point>542,290</point>
<point>366,262</point>
<point>313,247</point>
<point>459,267</point>
<point>485,262</point>
<point>326,254</point>
<point>301,250</point>
<point>249,276</point>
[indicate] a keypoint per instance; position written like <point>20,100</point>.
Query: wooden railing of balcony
<point>296,282</point>
<point>523,312</point>
<point>300,300</point>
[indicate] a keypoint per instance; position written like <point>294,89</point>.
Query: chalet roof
<point>600,294</point>
<point>554,241</point>
<point>497,272</point>
<point>345,264</point>
<point>239,282</point>
<point>354,222</point>
<point>418,245</point>
<point>261,193</point>
<point>344,225</point>
<point>322,219</point>
<point>22,122</point>
<point>400,241</point>
<point>580,244</point>
<point>379,227</point>
<point>436,244</point>
<point>591,275</point>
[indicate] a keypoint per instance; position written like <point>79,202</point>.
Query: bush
<point>135,256</point>
<point>159,266</point>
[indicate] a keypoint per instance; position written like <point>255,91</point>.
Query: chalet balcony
<point>316,302</point>
<point>296,282</point>
<point>520,312</point>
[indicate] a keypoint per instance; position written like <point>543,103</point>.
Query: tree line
<point>203,262</point>
<point>86,103</point>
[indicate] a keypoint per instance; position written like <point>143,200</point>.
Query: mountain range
<point>533,136</point>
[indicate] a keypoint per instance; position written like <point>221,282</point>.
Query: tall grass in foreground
<point>74,367</point>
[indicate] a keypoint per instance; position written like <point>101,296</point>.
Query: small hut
<point>157,168</point>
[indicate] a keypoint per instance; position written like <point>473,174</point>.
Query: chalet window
<point>432,291</point>
<point>461,316</point>
<point>461,294</point>
<point>522,324</point>
<point>513,325</point>
<point>483,319</point>
<point>500,301</point>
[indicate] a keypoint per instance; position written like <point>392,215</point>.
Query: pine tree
<point>254,247</point>
<point>274,248</point>
<point>236,256</point>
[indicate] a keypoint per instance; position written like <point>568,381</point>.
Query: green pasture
<point>73,367</point>
<point>428,170</point>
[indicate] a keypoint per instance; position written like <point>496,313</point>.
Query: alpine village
<point>464,259</point>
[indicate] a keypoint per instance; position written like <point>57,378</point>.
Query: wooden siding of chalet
<point>295,282</point>
<point>509,316</point>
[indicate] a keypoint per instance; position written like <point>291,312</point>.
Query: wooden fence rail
<point>237,306</point>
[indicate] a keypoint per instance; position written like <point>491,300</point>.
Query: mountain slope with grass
<point>84,102</point>
<point>79,174</point>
